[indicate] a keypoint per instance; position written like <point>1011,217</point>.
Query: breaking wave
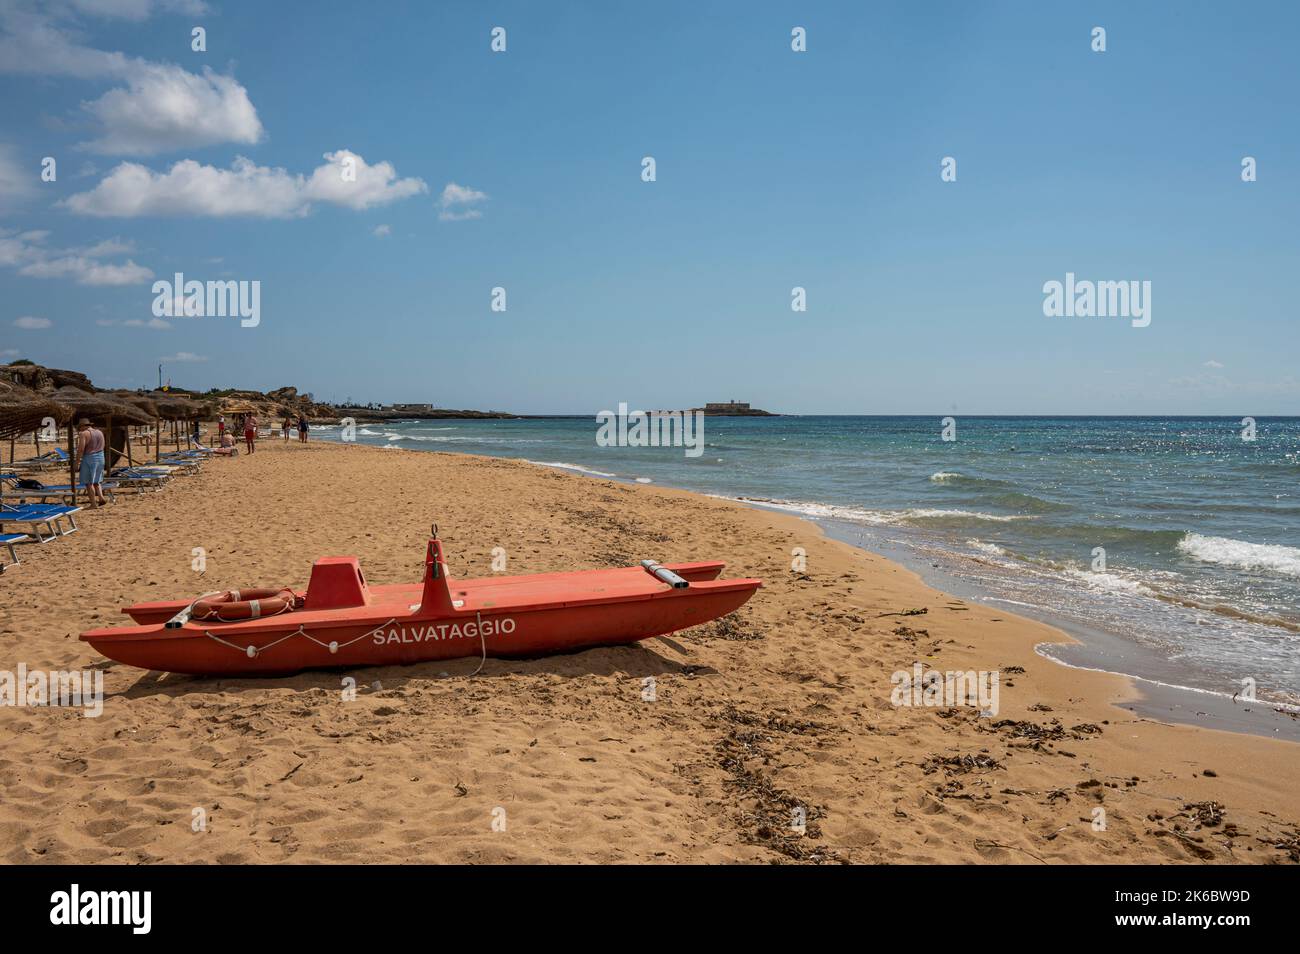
<point>1238,553</point>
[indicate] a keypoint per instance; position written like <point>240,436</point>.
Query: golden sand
<point>781,709</point>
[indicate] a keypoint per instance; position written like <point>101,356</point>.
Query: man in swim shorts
<point>90,451</point>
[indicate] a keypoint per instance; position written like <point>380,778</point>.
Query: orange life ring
<point>234,605</point>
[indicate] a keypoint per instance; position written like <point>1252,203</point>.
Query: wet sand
<point>777,715</point>
<point>1091,648</point>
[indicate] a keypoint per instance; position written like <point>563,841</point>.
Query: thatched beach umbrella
<point>174,407</point>
<point>145,404</point>
<point>177,407</point>
<point>98,407</point>
<point>23,410</point>
<point>141,401</point>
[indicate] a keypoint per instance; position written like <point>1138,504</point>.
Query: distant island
<point>723,409</point>
<point>733,409</point>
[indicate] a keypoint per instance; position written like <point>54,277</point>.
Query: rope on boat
<point>482,642</point>
<point>252,652</point>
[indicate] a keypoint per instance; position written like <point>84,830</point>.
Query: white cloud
<point>113,246</point>
<point>163,108</point>
<point>9,353</point>
<point>33,44</point>
<point>245,189</point>
<point>32,323</point>
<point>182,357</point>
<point>381,230</point>
<point>1213,364</point>
<point>137,9</point>
<point>453,194</point>
<point>159,107</point>
<point>87,271</point>
<point>191,188</point>
<point>365,185</point>
<point>27,253</point>
<point>156,324</point>
<point>458,203</point>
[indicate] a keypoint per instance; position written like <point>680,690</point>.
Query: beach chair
<point>46,461</point>
<point>138,478</point>
<point>159,470</point>
<point>40,517</point>
<point>8,540</point>
<point>47,492</point>
<point>185,465</point>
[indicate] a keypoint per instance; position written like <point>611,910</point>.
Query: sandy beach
<point>783,707</point>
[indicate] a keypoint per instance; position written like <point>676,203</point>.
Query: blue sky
<point>775,169</point>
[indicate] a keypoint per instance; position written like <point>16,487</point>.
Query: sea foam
<point>879,517</point>
<point>562,465</point>
<point>1248,556</point>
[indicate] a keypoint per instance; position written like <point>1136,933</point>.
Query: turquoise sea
<point>1173,536</point>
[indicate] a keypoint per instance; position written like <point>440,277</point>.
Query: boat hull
<point>398,634</point>
<point>408,593</point>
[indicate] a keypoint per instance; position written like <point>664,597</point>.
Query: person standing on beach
<point>90,451</point>
<point>286,425</point>
<point>221,427</point>
<point>250,431</point>
<point>302,428</point>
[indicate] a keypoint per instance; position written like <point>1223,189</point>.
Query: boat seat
<point>336,583</point>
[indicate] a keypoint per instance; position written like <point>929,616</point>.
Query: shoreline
<point>786,706</point>
<point>1086,648</point>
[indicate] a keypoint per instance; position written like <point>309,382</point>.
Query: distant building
<point>412,408</point>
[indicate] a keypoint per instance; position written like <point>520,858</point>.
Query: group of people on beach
<point>248,423</point>
<point>90,446</point>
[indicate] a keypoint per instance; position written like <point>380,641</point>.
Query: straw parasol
<point>178,407</point>
<point>141,401</point>
<point>100,406</point>
<point>146,404</point>
<point>175,407</point>
<point>23,410</point>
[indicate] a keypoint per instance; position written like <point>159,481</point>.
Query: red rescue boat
<point>341,621</point>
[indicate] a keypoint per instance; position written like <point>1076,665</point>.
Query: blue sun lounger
<point>139,478</point>
<point>58,493</point>
<point>188,459</point>
<point>8,540</point>
<point>52,458</point>
<point>16,490</point>
<point>38,517</point>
